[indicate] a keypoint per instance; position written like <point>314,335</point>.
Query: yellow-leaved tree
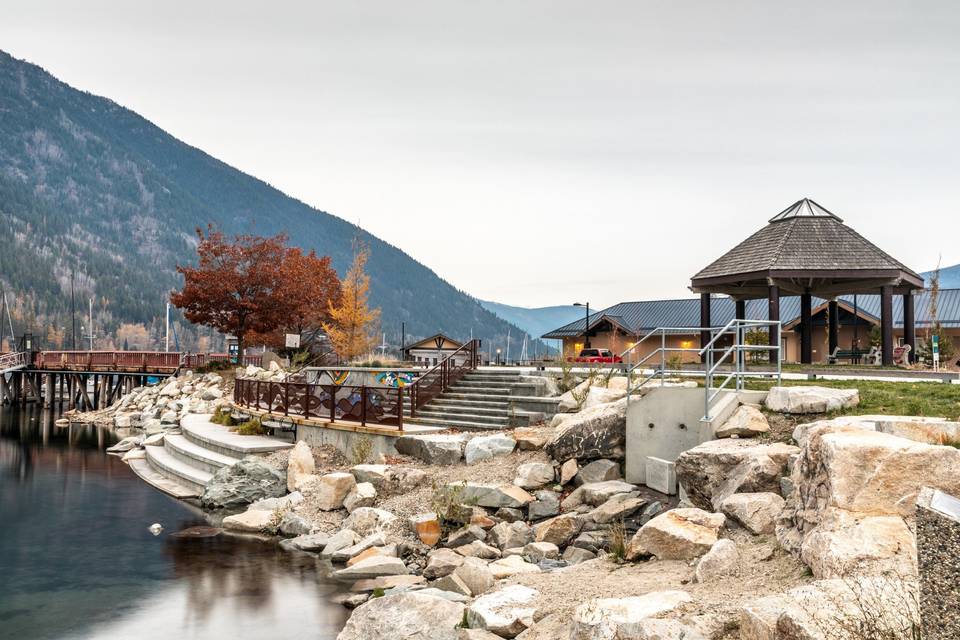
<point>352,326</point>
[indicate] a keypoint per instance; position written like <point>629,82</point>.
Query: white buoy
<point>156,528</point>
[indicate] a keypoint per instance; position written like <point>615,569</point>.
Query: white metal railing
<point>13,360</point>
<point>727,363</point>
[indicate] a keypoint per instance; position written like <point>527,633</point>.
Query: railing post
<point>257,394</point>
<point>363,405</point>
<point>286,398</point>
<point>779,355</point>
<point>663,357</point>
<point>400,408</point>
<point>333,403</point>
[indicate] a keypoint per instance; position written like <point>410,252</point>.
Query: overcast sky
<point>540,153</point>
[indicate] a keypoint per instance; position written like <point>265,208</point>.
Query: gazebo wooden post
<point>704,322</point>
<point>741,309</point>
<point>909,326</point>
<point>833,338</point>
<point>773,314</point>
<point>806,328</point>
<point>886,324</point>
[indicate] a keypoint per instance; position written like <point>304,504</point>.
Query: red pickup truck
<point>604,356</point>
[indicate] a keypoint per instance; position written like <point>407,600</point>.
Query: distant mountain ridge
<point>90,188</point>
<point>949,277</point>
<point>535,321</point>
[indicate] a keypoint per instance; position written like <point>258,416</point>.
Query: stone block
<point>661,475</point>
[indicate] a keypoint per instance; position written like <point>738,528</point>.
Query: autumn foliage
<point>250,286</point>
<point>352,323</point>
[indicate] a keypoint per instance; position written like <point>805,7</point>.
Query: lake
<point>77,559</point>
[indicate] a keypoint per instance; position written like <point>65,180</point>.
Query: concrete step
<point>146,472</point>
<point>486,391</point>
<point>478,377</point>
<point>177,470</point>
<point>444,401</point>
<point>465,417</point>
<point>196,455</point>
<point>472,395</point>
<point>452,424</point>
<point>198,429</point>
<point>500,411</point>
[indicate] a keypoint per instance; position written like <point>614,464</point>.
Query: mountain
<point>90,188</point>
<point>949,277</point>
<point>537,321</point>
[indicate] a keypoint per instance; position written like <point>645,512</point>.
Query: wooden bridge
<point>91,379</point>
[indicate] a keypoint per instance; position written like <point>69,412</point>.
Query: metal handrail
<point>443,369</point>
<point>713,357</point>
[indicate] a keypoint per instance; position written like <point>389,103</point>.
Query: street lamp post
<point>586,324</point>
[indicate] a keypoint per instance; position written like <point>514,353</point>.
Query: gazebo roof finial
<point>804,208</point>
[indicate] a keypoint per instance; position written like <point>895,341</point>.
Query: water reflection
<point>78,562</point>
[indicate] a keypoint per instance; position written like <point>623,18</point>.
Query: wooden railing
<point>366,405</point>
<point>443,375</point>
<point>130,361</point>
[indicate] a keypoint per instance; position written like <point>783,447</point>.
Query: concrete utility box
<point>666,422</point>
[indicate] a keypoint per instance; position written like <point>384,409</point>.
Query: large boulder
<point>432,449</point>
<point>851,608</point>
<point>560,530</point>
<point>511,566</point>
<point>366,520</point>
<point>243,482</point>
<point>757,512</point>
<point>510,535</point>
<point>722,560</point>
<point>250,521</point>
<point>476,575</point>
<point>616,618</point>
<point>363,494</point>
<point>487,447</point>
<point>854,499</point>
<point>373,567</point>
<point>597,432</point>
<point>598,471</point>
<point>372,473</point>
<point>494,496</point>
<point>678,534</point>
<point>746,421</point>
<point>330,490</point>
<point>602,395</point>
<point>506,613</point>
<point>533,475</point>
<point>404,616</point>
<point>811,399</point>
<point>300,463</point>
<point>714,470</point>
<point>441,562</point>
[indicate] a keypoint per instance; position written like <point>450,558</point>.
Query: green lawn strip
<point>888,398</point>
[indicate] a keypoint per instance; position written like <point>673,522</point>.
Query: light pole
<point>586,325</point>
<point>498,357</point>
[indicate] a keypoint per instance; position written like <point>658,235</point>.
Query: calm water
<point>77,560</point>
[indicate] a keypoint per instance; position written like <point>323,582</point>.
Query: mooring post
<point>48,392</point>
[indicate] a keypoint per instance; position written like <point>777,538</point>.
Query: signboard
<point>935,349</point>
<point>293,341</point>
<point>233,349</point>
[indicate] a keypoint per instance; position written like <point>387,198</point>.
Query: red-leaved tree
<point>237,286</point>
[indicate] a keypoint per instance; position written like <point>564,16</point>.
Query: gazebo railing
<point>723,364</point>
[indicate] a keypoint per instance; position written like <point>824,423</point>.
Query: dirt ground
<point>764,570</point>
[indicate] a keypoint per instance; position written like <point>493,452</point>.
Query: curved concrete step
<point>195,455</point>
<point>482,397</point>
<point>156,479</point>
<point>466,417</point>
<point>177,470</point>
<point>198,429</point>
<point>443,401</point>
<point>496,412</point>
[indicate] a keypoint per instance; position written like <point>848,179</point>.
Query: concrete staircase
<point>479,400</point>
<point>184,463</point>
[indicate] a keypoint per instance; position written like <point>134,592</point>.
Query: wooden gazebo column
<point>806,328</point>
<point>773,314</point>
<point>886,324</point>
<point>741,312</point>
<point>833,334</point>
<point>705,322</point>
<point>909,325</point>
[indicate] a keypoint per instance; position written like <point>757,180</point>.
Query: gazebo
<point>806,250</point>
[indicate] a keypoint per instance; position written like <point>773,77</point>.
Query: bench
<point>853,355</point>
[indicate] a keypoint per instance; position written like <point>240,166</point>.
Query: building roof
<point>434,342</point>
<point>803,241</point>
<point>644,315</point>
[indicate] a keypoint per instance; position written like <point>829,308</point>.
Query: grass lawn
<point>889,398</point>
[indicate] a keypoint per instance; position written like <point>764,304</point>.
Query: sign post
<point>935,349</point>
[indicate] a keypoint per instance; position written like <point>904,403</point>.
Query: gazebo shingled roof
<point>807,250</point>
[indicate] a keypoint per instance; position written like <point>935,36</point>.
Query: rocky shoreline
<point>533,533</point>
